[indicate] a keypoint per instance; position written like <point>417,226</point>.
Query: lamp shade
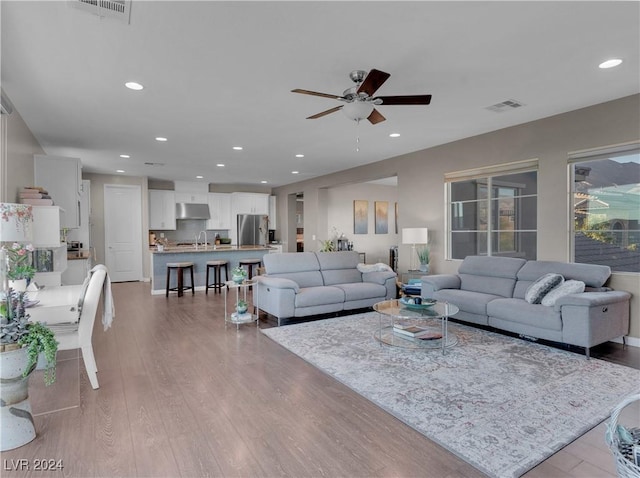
<point>357,110</point>
<point>415,235</point>
<point>16,222</point>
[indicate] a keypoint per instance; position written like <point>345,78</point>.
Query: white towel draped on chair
<point>108,309</point>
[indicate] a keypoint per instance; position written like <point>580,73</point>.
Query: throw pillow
<point>536,291</point>
<point>566,288</point>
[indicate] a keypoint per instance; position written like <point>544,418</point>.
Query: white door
<point>123,232</point>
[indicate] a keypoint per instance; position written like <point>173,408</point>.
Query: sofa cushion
<point>489,275</point>
<point>286,262</point>
<point>338,260</point>
<point>474,302</point>
<point>362,290</point>
<point>300,267</point>
<point>522,312</point>
<point>593,275</point>
<point>566,288</point>
<point>314,296</point>
<point>541,287</point>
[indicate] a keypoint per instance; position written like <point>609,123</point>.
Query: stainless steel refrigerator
<point>252,229</point>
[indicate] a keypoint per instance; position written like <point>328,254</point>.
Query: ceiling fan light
<point>357,110</point>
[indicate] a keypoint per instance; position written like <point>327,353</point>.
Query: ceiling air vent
<point>153,164</point>
<point>504,106</point>
<point>119,9</point>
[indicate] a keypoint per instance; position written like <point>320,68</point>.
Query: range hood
<point>186,210</point>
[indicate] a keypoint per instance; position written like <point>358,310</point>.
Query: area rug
<point>500,403</point>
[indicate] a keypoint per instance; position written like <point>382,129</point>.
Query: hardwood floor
<point>180,395</point>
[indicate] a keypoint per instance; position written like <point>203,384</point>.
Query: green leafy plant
<point>242,304</point>
<point>327,246</point>
<point>19,261</point>
<point>423,254</point>
<point>239,271</point>
<point>16,332</point>
<point>40,339</point>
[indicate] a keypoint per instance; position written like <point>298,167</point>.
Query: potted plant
<point>19,268</point>
<point>241,307</point>
<point>21,343</point>
<point>327,246</point>
<point>423,257</point>
<point>238,274</point>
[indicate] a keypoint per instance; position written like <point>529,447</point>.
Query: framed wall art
<point>382,217</point>
<point>360,216</point>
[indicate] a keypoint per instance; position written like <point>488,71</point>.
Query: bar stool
<point>179,267</point>
<point>217,275</point>
<point>250,263</point>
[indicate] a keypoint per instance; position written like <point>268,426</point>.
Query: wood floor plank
<point>181,395</point>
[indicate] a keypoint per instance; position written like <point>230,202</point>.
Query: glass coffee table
<point>415,326</point>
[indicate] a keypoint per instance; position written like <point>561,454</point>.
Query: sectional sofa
<point>497,292</point>
<point>301,284</point>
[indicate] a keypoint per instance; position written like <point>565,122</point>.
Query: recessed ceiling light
<point>199,177</point>
<point>160,138</point>
<point>299,155</point>
<point>125,156</point>
<point>238,148</point>
<point>394,135</point>
<point>610,63</point>
<point>295,172</point>
<point>132,85</point>
<point>220,165</point>
<point>119,170</point>
<point>263,182</point>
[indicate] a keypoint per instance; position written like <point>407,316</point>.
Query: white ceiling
<point>219,74</point>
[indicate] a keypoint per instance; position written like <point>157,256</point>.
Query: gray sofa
<point>491,291</point>
<point>301,284</point>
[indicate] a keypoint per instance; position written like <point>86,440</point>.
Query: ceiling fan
<point>359,100</point>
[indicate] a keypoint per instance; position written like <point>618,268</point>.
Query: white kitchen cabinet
<point>275,248</point>
<point>47,222</point>
<point>192,198</point>
<point>250,203</point>
<point>62,178</point>
<point>220,211</point>
<point>162,210</point>
<point>273,223</point>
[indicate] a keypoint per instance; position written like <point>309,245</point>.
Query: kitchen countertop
<point>78,255</point>
<point>184,249</point>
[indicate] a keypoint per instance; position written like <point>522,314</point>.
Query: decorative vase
<point>241,309</point>
<point>16,422</point>
<point>18,285</point>
<point>238,279</point>
<point>424,268</point>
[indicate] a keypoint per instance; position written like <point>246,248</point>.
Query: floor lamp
<point>413,236</point>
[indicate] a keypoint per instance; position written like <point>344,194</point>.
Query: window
<point>606,208</point>
<point>494,213</point>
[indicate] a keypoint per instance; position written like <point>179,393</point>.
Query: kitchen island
<point>199,256</point>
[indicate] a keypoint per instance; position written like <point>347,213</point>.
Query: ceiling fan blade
<point>405,100</point>
<point>315,93</point>
<point>324,113</point>
<point>374,80</point>
<point>375,117</point>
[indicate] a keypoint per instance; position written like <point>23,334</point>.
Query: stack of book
<point>36,196</point>
<point>415,332</point>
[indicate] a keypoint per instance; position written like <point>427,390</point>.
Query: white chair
<point>78,336</point>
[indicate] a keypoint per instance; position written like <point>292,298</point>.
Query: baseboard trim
<point>632,341</point>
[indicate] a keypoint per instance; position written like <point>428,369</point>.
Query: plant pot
<point>424,268</point>
<point>241,310</point>
<point>18,285</point>
<point>237,279</point>
<point>16,422</point>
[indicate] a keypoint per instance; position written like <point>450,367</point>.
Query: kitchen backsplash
<point>188,229</point>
